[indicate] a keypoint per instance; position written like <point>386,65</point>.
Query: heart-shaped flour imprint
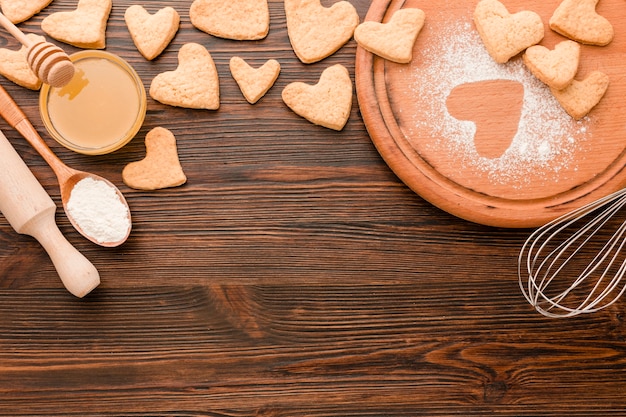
<point>495,107</point>
<point>327,103</point>
<point>578,20</point>
<point>151,33</point>
<point>394,39</point>
<point>194,84</point>
<point>315,31</point>
<point>504,34</point>
<point>581,96</point>
<point>160,168</point>
<point>557,67</point>
<point>254,82</point>
<point>14,65</point>
<point>20,10</point>
<point>84,27</point>
<point>239,20</point>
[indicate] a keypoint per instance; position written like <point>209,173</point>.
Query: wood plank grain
<point>293,275</point>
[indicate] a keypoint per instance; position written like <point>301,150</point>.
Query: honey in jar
<point>100,110</point>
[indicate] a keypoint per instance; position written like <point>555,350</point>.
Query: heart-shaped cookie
<point>240,20</point>
<point>315,31</point>
<point>557,67</point>
<point>254,82</point>
<point>160,168</point>
<point>14,65</point>
<point>578,20</point>
<point>194,84</point>
<point>581,96</point>
<point>504,34</point>
<point>151,33</point>
<point>84,27</point>
<point>327,103</point>
<point>20,10</point>
<point>394,39</point>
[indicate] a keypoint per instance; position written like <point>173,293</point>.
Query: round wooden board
<point>526,161</point>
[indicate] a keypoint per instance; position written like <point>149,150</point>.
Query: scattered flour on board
<point>546,133</point>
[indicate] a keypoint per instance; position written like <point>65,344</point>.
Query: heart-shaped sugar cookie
<point>14,65</point>
<point>556,68</point>
<point>160,168</point>
<point>194,84</point>
<point>20,10</point>
<point>315,31</point>
<point>151,33</point>
<point>327,103</point>
<point>84,27</point>
<point>581,96</point>
<point>504,34</point>
<point>240,20</point>
<point>578,20</point>
<point>254,82</point>
<point>392,40</point>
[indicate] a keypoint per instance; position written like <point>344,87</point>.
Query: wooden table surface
<point>293,275</point>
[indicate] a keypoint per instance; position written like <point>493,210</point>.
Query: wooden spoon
<point>67,177</point>
<point>49,62</point>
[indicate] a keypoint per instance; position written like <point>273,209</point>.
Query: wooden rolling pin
<point>30,210</point>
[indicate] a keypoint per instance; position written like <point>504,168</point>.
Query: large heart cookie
<point>556,68</point>
<point>194,84</point>
<point>315,31</point>
<point>239,20</point>
<point>327,103</point>
<point>581,96</point>
<point>504,34</point>
<point>151,33</point>
<point>20,10</point>
<point>254,82</point>
<point>160,168</point>
<point>578,20</point>
<point>394,39</point>
<point>84,27</point>
<point>14,65</point>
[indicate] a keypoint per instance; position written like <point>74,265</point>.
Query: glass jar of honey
<point>100,110</point>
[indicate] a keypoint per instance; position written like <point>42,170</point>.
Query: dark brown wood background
<point>293,275</point>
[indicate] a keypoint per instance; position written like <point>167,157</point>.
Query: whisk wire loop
<point>550,253</point>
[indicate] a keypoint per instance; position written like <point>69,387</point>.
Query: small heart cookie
<point>578,20</point>
<point>254,82</point>
<point>581,96</point>
<point>243,20</point>
<point>151,33</point>
<point>21,10</point>
<point>556,68</point>
<point>14,65</point>
<point>327,103</point>
<point>393,40</point>
<point>315,31</point>
<point>504,34</point>
<point>84,27</point>
<point>194,84</point>
<point>160,168</point>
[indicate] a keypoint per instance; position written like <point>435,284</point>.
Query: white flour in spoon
<point>98,211</point>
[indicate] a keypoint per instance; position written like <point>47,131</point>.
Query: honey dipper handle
<point>13,30</point>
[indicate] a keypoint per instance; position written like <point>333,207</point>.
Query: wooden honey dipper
<point>49,62</point>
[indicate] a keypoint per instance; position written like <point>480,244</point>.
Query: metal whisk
<point>565,269</point>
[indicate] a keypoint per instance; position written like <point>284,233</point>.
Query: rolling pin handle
<point>77,273</point>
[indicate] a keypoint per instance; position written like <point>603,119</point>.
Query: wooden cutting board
<point>488,142</point>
